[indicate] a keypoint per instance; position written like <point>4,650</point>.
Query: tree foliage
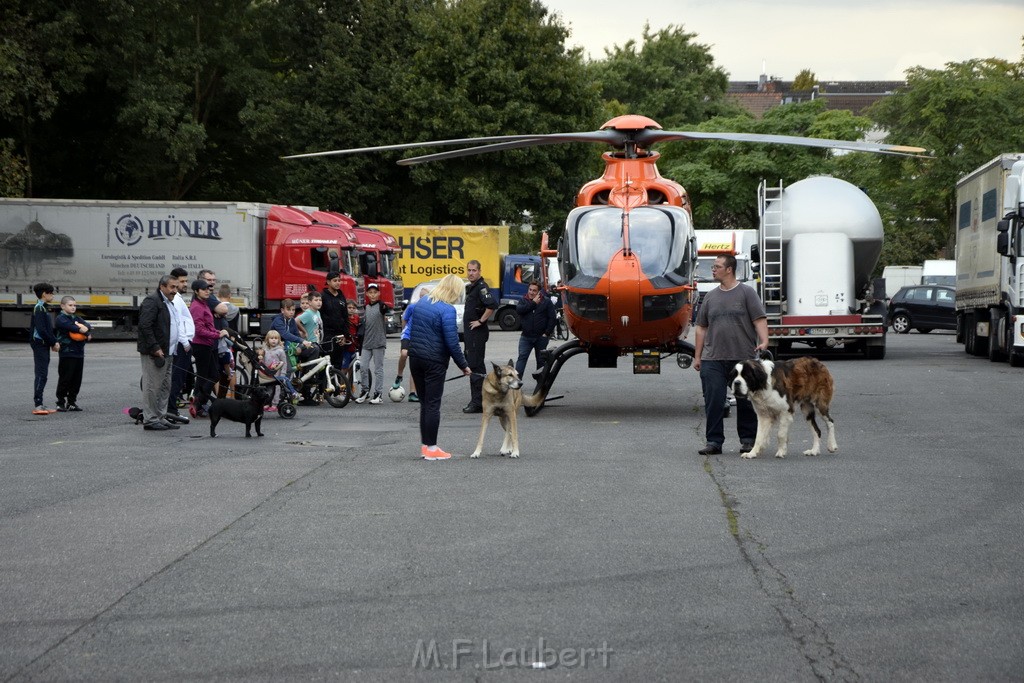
<point>722,177</point>
<point>966,114</point>
<point>198,99</point>
<point>805,80</point>
<point>669,78</point>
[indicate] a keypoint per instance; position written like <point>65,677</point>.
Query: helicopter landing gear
<point>554,362</point>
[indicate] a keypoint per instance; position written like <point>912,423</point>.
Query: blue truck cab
<point>517,272</point>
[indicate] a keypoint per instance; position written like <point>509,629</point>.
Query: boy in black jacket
<point>72,354</point>
<point>42,340</point>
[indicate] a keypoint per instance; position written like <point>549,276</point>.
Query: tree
<point>805,80</point>
<point>722,177</point>
<point>44,57</point>
<point>966,114</point>
<point>669,78</point>
<point>494,67</point>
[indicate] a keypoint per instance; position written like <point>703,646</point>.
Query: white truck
<point>820,239</point>
<point>110,254</point>
<point>990,258</point>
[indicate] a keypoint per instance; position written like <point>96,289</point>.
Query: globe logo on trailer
<point>128,230</point>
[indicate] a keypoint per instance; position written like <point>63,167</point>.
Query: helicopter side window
<point>598,237</point>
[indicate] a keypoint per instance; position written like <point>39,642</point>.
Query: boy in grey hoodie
<point>375,342</point>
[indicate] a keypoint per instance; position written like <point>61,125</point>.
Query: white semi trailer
<point>990,260</point>
<point>820,239</point>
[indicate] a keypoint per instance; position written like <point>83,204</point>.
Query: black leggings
<point>429,378</point>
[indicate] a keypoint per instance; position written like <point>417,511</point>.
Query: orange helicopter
<point>628,254</point>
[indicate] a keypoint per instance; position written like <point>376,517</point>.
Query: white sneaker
<point>376,400</point>
<point>361,398</point>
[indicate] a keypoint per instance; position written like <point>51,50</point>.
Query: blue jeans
<point>714,378</point>
<point>527,344</point>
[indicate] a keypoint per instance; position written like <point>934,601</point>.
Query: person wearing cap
<point>375,341</point>
<point>204,345</point>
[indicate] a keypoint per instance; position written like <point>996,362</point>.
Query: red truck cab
<point>376,252</point>
<point>300,250</point>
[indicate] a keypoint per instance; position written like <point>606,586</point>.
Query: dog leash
<point>459,377</point>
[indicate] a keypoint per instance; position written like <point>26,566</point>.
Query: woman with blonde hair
<point>433,341</point>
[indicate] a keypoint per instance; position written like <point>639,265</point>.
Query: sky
<point>836,39</point>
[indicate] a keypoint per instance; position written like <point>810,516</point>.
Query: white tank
<point>822,204</point>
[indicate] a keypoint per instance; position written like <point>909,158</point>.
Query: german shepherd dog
<point>502,396</point>
<point>777,390</point>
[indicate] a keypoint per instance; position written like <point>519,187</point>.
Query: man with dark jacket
<point>537,316</point>
<point>158,340</point>
<point>480,306</point>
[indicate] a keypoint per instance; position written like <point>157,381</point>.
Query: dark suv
<point>924,308</point>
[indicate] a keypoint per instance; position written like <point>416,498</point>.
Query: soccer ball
<point>397,394</point>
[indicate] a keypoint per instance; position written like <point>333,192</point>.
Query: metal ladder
<point>769,201</point>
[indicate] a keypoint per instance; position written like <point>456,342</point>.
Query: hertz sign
<point>429,252</point>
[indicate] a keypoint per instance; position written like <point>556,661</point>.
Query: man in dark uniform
<point>480,306</point>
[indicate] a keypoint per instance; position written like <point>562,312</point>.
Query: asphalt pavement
<point>611,550</point>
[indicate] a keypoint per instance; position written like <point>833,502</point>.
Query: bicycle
<point>330,383</point>
<point>561,329</point>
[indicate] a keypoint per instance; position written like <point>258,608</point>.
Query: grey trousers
<point>377,356</point>
<point>156,389</point>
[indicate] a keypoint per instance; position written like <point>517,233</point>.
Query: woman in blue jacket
<point>433,340</point>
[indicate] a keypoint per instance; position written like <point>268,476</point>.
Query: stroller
<point>255,373</point>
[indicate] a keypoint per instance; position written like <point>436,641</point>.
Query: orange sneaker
<point>42,410</point>
<point>435,454</point>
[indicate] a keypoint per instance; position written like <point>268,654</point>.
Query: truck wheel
<point>874,352</point>
<point>508,319</point>
<point>901,323</point>
<point>980,343</point>
<point>1017,359</point>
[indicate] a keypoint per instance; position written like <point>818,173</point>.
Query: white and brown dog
<point>776,389</point>
<point>502,395</point>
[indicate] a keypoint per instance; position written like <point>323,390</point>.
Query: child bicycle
<point>327,382</point>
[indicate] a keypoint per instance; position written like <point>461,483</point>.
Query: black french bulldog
<point>248,410</point>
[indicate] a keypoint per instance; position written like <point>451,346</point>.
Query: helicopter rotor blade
<point>613,138</point>
<point>649,137</point>
<point>610,136</point>
<point>616,136</point>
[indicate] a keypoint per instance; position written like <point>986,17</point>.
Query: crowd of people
<point>185,347</point>
<point>175,337</point>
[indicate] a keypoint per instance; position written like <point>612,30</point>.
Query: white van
<point>939,272</point>
<point>897,277</point>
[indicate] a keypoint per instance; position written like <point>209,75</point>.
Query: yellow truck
<point>429,252</point>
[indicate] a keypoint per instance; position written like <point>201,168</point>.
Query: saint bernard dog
<point>776,390</point>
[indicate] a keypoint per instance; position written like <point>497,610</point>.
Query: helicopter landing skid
<point>555,360</point>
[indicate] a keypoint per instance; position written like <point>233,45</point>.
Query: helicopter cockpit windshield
<point>658,236</point>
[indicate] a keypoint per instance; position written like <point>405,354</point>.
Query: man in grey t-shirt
<point>731,327</point>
